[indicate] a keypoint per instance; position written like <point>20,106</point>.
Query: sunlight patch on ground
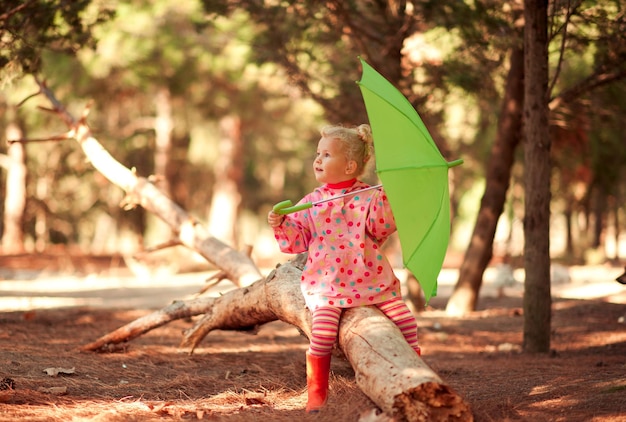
<point>24,303</point>
<point>95,291</point>
<point>94,282</point>
<point>611,338</point>
<point>610,290</point>
<point>47,292</point>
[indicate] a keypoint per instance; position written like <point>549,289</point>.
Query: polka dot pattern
<point>345,266</point>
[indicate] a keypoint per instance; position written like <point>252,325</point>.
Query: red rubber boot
<point>317,372</point>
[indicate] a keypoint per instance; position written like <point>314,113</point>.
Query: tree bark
<point>391,374</point>
<point>228,171</point>
<point>537,299</point>
<point>163,128</point>
<point>387,370</point>
<point>15,197</point>
<point>480,250</point>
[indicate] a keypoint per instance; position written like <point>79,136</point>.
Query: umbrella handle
<point>287,207</point>
<point>455,163</point>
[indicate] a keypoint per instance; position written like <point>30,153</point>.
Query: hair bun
<point>365,133</point>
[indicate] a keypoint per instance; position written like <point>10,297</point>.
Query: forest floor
<point>47,313</point>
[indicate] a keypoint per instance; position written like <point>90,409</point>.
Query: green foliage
<point>34,26</point>
<point>607,128</point>
<point>283,65</point>
<point>317,44</point>
<point>588,58</point>
<point>481,33</point>
<point>205,65</point>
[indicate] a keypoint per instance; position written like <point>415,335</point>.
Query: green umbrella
<point>414,175</point>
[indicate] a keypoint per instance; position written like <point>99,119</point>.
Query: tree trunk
<point>387,370</point>
<point>480,250</point>
<point>163,127</point>
<point>599,216</point>
<point>228,172</point>
<point>15,197</point>
<point>537,299</point>
<point>616,225</point>
<point>414,294</point>
<point>177,170</point>
<point>569,229</point>
<point>391,374</point>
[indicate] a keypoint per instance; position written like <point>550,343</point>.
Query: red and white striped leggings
<point>325,325</point>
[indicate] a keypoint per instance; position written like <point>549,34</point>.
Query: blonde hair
<point>356,142</point>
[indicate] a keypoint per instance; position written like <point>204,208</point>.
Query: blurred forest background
<point>222,101</point>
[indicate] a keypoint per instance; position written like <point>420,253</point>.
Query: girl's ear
<point>351,167</point>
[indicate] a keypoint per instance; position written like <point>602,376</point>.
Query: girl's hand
<point>274,219</point>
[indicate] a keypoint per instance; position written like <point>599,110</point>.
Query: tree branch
<point>240,268</point>
<point>570,12</point>
<point>593,81</point>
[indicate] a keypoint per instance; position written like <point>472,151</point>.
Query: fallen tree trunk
<point>387,370</point>
<point>391,374</point>
<point>275,298</point>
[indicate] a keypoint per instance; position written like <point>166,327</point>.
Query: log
<point>387,369</point>
<point>391,374</point>
<point>177,310</point>
<point>277,297</point>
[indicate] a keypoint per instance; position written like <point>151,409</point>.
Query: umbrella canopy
<point>414,175</point>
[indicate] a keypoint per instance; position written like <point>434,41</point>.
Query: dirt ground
<point>233,376</point>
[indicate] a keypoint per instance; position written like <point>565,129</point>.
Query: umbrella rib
<point>419,125</point>
<point>425,235</point>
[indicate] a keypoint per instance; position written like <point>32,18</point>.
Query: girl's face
<point>331,164</point>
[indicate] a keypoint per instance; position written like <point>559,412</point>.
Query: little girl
<point>346,266</point>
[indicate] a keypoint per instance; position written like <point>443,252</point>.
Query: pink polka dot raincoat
<point>346,266</point>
